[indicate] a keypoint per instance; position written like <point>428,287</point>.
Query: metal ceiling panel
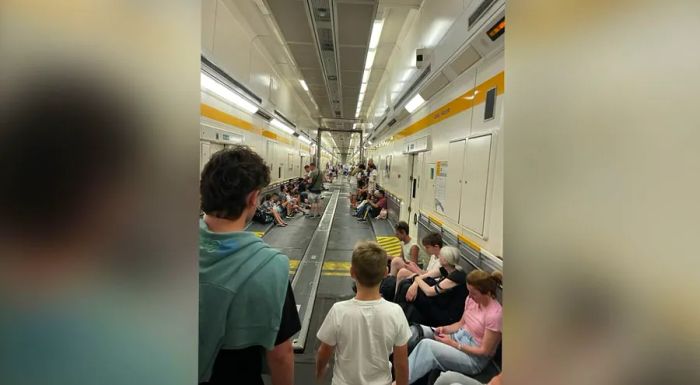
<point>313,77</point>
<point>305,56</point>
<point>352,58</point>
<point>352,79</point>
<point>290,16</point>
<point>355,23</point>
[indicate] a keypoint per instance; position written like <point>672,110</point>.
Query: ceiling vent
<point>391,123</point>
<point>465,60</point>
<point>263,115</point>
<point>434,86</point>
<point>284,118</point>
<point>479,12</point>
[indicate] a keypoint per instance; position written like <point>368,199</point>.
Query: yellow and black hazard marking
<point>259,233</point>
<point>391,244</point>
<point>330,268</point>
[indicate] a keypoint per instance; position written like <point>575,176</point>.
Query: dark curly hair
<point>228,178</point>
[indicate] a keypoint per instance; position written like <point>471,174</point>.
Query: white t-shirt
<point>373,180</point>
<point>433,263</point>
<point>364,334</point>
<point>407,249</point>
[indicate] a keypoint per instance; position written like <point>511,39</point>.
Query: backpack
<point>262,217</point>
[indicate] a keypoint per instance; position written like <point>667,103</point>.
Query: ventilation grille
<point>479,12</point>
<point>263,115</point>
<point>284,118</point>
<point>412,88</point>
<point>381,122</point>
<point>391,123</point>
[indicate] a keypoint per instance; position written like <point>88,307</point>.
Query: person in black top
<point>436,297</point>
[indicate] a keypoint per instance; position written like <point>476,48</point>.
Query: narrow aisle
<point>335,284</point>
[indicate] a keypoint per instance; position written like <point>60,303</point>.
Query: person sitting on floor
<point>467,345</point>
<point>454,378</point>
<point>269,206</point>
<point>437,296</point>
<point>371,208</point>
<point>410,252</point>
<point>432,243</point>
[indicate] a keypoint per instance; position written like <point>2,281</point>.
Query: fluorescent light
<point>304,85</point>
<point>414,103</point>
<point>304,139</point>
<point>370,58</point>
<point>276,123</point>
<point>369,142</point>
<point>365,76</point>
<point>363,88</point>
<point>376,33</point>
<point>209,84</point>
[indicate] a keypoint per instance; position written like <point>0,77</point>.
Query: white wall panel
<point>455,167</point>
<point>474,183</point>
<point>231,45</point>
<point>208,23</point>
<point>260,73</point>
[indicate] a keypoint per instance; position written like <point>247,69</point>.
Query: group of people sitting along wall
<point>461,347</point>
<point>298,196</point>
<point>248,312</point>
<point>367,201</point>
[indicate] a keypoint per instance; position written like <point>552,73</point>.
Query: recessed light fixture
<point>212,85</point>
<point>414,103</point>
<point>304,85</point>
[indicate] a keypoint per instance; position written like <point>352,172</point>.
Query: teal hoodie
<point>242,287</point>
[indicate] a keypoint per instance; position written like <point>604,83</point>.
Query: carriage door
<point>414,185</point>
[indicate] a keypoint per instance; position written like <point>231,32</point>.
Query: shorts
<point>314,197</point>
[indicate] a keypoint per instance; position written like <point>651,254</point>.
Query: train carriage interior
<point>280,192</point>
<point>414,88</point>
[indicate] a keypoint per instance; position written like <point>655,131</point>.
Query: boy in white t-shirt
<point>365,330</point>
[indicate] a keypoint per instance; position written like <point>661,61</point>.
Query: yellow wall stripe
<point>462,103</point>
<point>226,118</point>
<point>461,237</point>
<point>223,117</point>
<point>469,242</point>
<point>435,220</point>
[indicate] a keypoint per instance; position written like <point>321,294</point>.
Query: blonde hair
<point>369,263</point>
<point>451,255</point>
<point>484,282</point>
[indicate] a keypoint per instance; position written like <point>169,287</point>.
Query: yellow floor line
<point>330,268</point>
<point>259,233</point>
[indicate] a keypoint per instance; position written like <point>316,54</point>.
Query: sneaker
<point>290,216</point>
<point>361,220</point>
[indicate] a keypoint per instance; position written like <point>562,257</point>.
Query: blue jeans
<point>430,354</point>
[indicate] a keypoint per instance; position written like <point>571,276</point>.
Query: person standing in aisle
<point>315,188</point>
<point>365,330</point>
<point>247,309</point>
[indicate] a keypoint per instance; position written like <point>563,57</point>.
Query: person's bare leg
<point>396,264</point>
<point>400,276</point>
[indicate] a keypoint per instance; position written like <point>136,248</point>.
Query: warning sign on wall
<point>440,186</point>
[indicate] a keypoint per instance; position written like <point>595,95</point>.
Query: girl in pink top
<point>467,345</point>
